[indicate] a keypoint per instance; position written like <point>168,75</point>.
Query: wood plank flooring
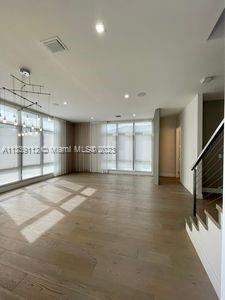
<point>89,236</point>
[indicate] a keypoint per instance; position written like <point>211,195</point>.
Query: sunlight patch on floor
<point>70,185</point>
<point>35,186</point>
<point>11,194</point>
<point>39,227</point>
<point>73,203</point>
<point>23,208</point>
<point>52,194</point>
<point>88,192</point>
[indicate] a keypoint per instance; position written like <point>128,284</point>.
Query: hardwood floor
<point>88,236</point>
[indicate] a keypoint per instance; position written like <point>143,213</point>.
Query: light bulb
<point>100,28</point>
<point>40,129</point>
<point>15,122</point>
<point>24,125</point>
<point>22,134</point>
<point>19,134</point>
<point>4,120</point>
<point>32,127</point>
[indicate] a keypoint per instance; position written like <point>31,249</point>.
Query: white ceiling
<point>159,47</point>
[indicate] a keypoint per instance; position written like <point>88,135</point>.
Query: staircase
<point>204,226</point>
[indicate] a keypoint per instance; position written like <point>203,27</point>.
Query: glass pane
<point>9,176</point>
<point>30,120</point>
<point>143,146</point>
<point>48,169</point>
<point>125,146</point>
<point>111,142</point>
<point>31,157</point>
<point>48,145</point>
<point>31,144</point>
<point>48,124</point>
<point>29,172</point>
<point>8,113</point>
<point>8,139</point>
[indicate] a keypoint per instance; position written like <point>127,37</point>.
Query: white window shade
<point>9,169</point>
<point>125,147</point>
<point>8,139</point>
<point>143,146</point>
<point>31,160</point>
<point>111,142</point>
<point>98,135</point>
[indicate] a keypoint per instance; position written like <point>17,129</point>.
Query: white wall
<point>207,243</point>
<point>167,160</point>
<point>191,139</point>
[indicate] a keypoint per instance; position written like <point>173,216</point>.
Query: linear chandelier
<point>25,91</point>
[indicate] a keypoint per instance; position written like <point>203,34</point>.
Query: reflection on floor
<point>38,199</point>
<point>88,236</point>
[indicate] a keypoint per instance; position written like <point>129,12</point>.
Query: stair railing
<point>208,172</point>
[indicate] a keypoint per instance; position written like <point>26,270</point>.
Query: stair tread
<point>212,218</point>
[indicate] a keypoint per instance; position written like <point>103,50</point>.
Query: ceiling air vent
<point>54,44</point>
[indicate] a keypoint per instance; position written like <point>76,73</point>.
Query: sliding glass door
<point>134,146</point>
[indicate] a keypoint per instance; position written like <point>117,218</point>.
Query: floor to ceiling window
<point>134,146</point>
<point>31,141</point>
<point>111,140</point>
<point>143,141</point>
<point>125,146</point>
<point>9,162</point>
<point>23,135</point>
<point>48,142</point>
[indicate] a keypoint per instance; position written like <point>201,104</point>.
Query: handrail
<point>211,140</point>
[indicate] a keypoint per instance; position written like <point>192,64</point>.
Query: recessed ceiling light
<point>100,28</point>
<point>141,94</point>
<point>134,115</point>
<point>126,96</point>
<point>25,72</point>
<point>65,103</point>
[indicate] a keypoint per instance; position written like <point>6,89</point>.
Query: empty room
<point>111,150</point>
